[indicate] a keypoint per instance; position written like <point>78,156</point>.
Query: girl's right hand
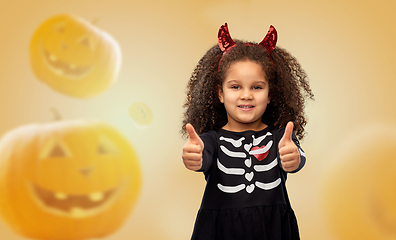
<point>192,150</point>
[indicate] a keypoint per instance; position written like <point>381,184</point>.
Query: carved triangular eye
<point>86,42</point>
<point>106,146</point>
<point>60,27</point>
<point>102,150</point>
<point>54,148</point>
<point>57,152</point>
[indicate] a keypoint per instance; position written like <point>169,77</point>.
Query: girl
<point>244,112</point>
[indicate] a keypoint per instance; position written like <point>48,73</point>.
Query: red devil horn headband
<point>224,38</point>
<point>269,41</point>
<point>226,42</point>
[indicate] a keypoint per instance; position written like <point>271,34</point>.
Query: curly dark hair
<point>288,88</point>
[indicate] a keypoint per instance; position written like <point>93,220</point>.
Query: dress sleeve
<point>209,140</point>
<point>302,154</point>
<point>280,133</point>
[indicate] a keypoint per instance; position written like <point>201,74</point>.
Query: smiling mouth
<point>73,205</point>
<point>63,68</point>
<point>247,107</point>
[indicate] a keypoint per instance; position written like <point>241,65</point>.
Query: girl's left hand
<point>288,151</point>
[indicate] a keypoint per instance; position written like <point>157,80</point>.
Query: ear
<point>220,94</point>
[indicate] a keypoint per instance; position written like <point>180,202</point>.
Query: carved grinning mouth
<point>73,205</point>
<point>385,217</point>
<point>63,68</point>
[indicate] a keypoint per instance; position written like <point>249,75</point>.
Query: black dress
<point>245,195</point>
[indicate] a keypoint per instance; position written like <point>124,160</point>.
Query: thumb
<point>194,138</point>
<point>287,135</point>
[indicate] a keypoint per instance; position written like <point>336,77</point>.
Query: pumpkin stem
<point>57,116</point>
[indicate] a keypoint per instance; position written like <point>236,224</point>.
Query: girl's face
<point>245,96</point>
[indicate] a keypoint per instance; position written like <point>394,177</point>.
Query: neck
<point>244,127</point>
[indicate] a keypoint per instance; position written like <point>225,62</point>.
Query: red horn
<point>269,41</point>
<point>224,38</point>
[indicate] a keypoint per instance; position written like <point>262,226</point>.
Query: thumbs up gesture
<point>192,150</point>
<point>288,151</point>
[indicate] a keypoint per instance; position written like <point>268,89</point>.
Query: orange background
<point>346,47</point>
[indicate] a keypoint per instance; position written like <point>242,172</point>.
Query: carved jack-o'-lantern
<point>141,114</point>
<point>74,57</point>
<point>67,180</point>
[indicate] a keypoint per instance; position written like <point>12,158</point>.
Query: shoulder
<point>210,141</point>
<point>210,135</point>
<point>209,138</point>
<point>275,131</point>
<point>279,132</point>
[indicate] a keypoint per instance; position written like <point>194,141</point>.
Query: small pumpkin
<point>67,180</point>
<point>140,114</point>
<point>74,57</point>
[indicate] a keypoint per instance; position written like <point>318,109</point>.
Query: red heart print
<point>260,156</point>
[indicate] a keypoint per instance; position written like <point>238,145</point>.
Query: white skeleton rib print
<point>251,150</point>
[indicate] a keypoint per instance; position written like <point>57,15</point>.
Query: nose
<point>246,94</point>
<point>64,46</point>
<point>86,171</point>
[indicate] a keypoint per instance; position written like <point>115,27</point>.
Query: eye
<point>106,147</point>
<point>60,27</point>
<point>257,87</point>
<point>235,87</point>
<point>86,42</point>
<point>55,148</point>
<point>57,152</point>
